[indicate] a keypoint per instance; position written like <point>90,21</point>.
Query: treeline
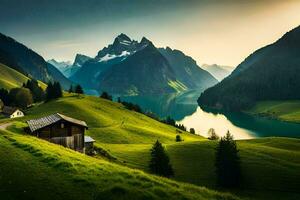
<point>30,93</point>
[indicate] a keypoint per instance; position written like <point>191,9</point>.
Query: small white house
<point>12,112</point>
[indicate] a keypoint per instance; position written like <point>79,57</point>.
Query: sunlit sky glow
<point>211,31</point>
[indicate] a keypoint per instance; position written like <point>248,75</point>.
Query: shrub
<point>192,131</point>
<point>178,138</point>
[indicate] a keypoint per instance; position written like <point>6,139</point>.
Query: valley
<point>111,100</point>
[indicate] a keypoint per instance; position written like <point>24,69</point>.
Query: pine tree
<point>53,91</point>
<point>78,89</point>
<point>227,162</point>
<point>49,92</point>
<point>160,162</point>
<point>57,90</point>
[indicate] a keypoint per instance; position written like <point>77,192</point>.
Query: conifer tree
<point>160,162</point>
<point>227,162</point>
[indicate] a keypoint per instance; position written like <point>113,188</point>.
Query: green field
<point>10,78</point>
<point>270,166</point>
<point>283,110</point>
<point>35,169</point>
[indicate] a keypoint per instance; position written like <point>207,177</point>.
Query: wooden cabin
<point>60,129</point>
<point>12,112</point>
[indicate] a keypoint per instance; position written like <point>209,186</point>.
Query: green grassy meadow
<point>283,110</point>
<point>270,166</point>
<point>35,169</point>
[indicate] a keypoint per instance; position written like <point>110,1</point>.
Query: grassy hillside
<point>35,169</point>
<point>269,166</point>
<point>110,122</point>
<point>282,110</point>
<point>10,78</point>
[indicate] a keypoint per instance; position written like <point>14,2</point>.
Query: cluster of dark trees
<point>53,91</point>
<point>24,96</point>
<point>105,95</point>
<point>77,89</point>
<point>19,97</point>
<point>172,122</point>
<point>37,92</point>
<point>160,161</point>
<point>227,162</point>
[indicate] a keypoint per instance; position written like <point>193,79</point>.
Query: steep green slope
<point>10,78</point>
<point>35,169</point>
<point>269,165</point>
<point>283,110</point>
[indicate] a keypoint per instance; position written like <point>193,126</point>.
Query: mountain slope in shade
<point>129,67</point>
<point>270,73</point>
<point>145,72</point>
<point>26,61</point>
<point>218,71</point>
<point>186,69</point>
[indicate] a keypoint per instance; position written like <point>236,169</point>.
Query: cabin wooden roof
<point>36,124</point>
<point>9,110</point>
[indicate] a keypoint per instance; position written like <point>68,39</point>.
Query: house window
<point>62,125</point>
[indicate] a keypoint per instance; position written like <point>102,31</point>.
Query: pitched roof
<point>88,139</point>
<point>9,110</point>
<point>36,124</point>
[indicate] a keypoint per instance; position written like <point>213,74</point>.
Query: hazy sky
<point>211,31</point>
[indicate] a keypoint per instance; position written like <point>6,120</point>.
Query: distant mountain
<point>270,73</point>
<point>218,71</point>
<point>28,62</point>
<point>129,67</point>
<point>61,66</point>
<point>67,68</point>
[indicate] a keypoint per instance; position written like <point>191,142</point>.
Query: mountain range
<point>270,73</point>
<point>28,62</point>
<point>218,71</point>
<point>67,68</point>
<point>129,67</point>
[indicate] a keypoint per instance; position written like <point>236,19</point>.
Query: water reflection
<point>184,109</point>
<point>242,126</point>
<point>202,121</point>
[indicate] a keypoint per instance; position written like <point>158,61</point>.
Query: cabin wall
<point>64,133</point>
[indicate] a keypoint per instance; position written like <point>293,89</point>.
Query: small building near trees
<point>12,112</point>
<point>62,130</point>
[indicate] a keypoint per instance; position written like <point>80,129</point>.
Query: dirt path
<point>5,125</point>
